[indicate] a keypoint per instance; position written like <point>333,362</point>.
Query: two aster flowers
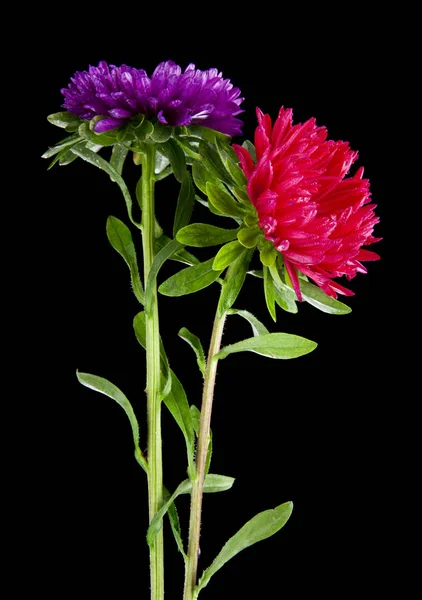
<point>290,192</point>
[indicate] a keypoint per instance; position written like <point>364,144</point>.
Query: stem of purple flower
<point>155,466</point>
<point>201,457</point>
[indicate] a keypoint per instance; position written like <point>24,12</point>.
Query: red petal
<point>245,158</point>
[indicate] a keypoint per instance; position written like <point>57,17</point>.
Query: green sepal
<point>161,132</point>
<point>248,236</point>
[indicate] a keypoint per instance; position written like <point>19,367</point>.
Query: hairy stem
<point>201,457</point>
<point>155,465</point>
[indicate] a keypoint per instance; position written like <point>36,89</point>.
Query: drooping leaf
<point>227,255</point>
<point>120,238</point>
<point>185,204</point>
<point>261,527</point>
<point>201,235</point>
<point>234,279</point>
<point>118,157</point>
<point>221,200</point>
<point>157,263</point>
<point>257,327</point>
<point>103,386</point>
<point>274,345</point>
<point>269,293</point>
<point>315,296</point>
<point>63,145</point>
<point>190,280</point>
<point>83,152</point>
<point>212,484</point>
<point>175,524</point>
<point>195,343</point>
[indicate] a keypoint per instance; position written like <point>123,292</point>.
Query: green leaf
<point>175,524</point>
<point>176,156</point>
<point>65,120</point>
<point>120,238</point>
<point>196,418</point>
<point>315,296</point>
<point>201,235</point>
<point>65,144</point>
<point>268,255</point>
<point>212,484</point>
<point>227,255</point>
<point>177,404</point>
<point>251,149</point>
<point>185,204</point>
<point>190,280</point>
<point>102,139</point>
<point>83,152</point>
<point>158,262</point>
<point>182,255</point>
<point>283,295</point>
<point>201,177</point>
<point>195,343</point>
<point>261,527</point>
<point>257,327</point>
<point>118,157</point>
<point>99,384</point>
<point>223,201</point>
<point>234,279</point>
<point>274,345</point>
<point>231,163</point>
<point>269,293</point>
<point>202,133</point>
<point>248,236</point>
<point>213,163</point>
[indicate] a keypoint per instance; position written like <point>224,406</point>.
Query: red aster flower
<point>316,216</point>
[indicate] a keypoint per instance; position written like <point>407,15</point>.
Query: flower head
<point>175,98</point>
<point>316,217</point>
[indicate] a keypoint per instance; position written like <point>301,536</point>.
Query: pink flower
<point>317,218</point>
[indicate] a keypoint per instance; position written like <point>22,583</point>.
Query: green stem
<point>201,457</point>
<point>155,465</point>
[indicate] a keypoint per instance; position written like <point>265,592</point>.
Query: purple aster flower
<point>175,98</point>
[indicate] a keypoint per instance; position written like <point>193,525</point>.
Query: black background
<point>316,430</point>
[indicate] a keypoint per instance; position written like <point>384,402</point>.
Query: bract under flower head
<point>315,216</point>
<point>174,97</point>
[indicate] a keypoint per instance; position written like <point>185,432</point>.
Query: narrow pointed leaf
<point>201,177</point>
<point>158,262</point>
<point>223,201</point>
<point>185,204</point>
<point>176,156</point>
<point>61,146</point>
<point>201,235</point>
<point>274,345</point>
<point>103,386</point>
<point>283,294</point>
<point>182,255</point>
<point>120,238</point>
<point>261,527</point>
<point>190,280</point>
<point>118,157</point>
<point>86,154</point>
<point>213,163</point>
<point>231,163</point>
<point>227,255</point>
<point>196,419</point>
<point>195,343</point>
<point>250,148</point>
<point>269,293</point>
<point>65,120</point>
<point>257,327</point>
<point>233,282</point>
<point>175,525</point>
<point>212,484</point>
<point>178,405</point>
<point>315,296</point>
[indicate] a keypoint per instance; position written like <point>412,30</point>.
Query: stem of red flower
<point>155,465</point>
<point>201,457</point>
